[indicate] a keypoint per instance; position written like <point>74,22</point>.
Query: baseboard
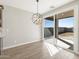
<point>4,48</point>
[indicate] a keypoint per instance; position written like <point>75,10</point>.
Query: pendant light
<point>36,18</point>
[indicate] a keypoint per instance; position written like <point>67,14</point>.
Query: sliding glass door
<point>48,27</point>
<point>65,29</point>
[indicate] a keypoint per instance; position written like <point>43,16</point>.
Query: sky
<point>48,23</point>
<point>66,22</point>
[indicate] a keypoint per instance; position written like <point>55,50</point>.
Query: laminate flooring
<point>38,50</point>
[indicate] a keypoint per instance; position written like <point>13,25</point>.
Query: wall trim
<point>13,46</point>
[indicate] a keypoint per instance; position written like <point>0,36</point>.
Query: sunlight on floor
<point>52,49</point>
<point>62,44</point>
<point>69,39</point>
<point>59,43</point>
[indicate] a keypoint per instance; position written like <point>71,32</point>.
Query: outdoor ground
<point>67,36</point>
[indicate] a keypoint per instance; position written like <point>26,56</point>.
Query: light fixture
<point>36,18</point>
<point>1,7</point>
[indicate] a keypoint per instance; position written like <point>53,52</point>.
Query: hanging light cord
<point>37,6</point>
<point>37,16</point>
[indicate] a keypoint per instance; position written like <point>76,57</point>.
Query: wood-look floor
<point>39,50</point>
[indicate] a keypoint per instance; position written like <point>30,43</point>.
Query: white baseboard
<point>4,48</point>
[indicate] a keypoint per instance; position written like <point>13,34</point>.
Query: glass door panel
<point>48,27</point>
<point>65,26</point>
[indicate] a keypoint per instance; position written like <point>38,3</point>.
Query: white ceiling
<point>30,5</point>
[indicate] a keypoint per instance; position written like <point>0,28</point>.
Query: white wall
<point>18,27</point>
<point>76,28</point>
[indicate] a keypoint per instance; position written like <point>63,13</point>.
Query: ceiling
<point>30,5</point>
